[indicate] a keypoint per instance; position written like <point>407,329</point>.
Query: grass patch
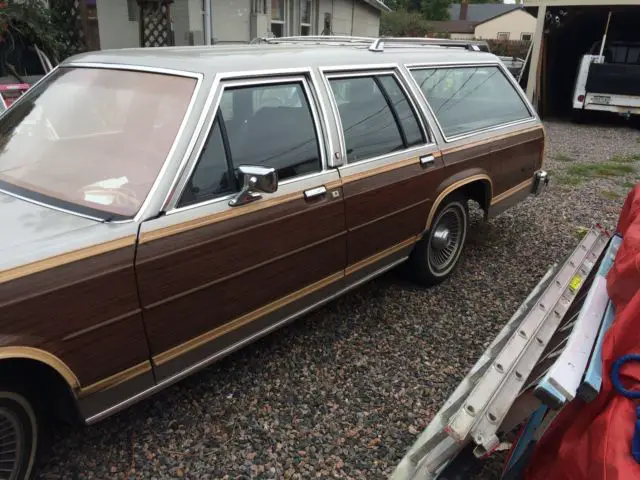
<point>610,195</point>
<point>637,139</point>
<point>635,157</point>
<point>570,180</point>
<point>593,170</point>
<point>563,157</point>
<point>580,232</point>
<point>628,184</point>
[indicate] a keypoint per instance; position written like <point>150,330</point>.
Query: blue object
<point>630,394</point>
<point>524,445</point>
<point>549,394</point>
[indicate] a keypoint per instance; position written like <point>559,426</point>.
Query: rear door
<point>213,276</point>
<point>391,167</point>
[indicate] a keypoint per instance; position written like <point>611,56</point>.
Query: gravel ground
<point>343,393</point>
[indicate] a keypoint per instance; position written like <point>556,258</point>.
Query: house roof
<point>453,26</point>
<point>378,5</point>
<point>481,12</point>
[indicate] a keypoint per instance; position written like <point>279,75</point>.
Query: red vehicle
<point>22,64</point>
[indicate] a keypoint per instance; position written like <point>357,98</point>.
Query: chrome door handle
<point>426,160</point>
<point>315,192</point>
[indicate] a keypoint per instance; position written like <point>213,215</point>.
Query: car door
<point>391,167</point>
<point>214,276</point>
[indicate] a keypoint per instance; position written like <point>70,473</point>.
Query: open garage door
<point>569,33</point>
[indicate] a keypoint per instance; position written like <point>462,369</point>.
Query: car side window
<point>272,126</point>
<point>406,116</point>
<point>376,116</point>
<point>467,99</point>
<point>213,175</point>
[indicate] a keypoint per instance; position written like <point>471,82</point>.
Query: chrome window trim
<point>416,97</point>
<point>133,68</point>
<point>325,119</point>
<point>59,209</point>
<point>432,66</point>
<point>229,196</point>
<point>168,199</point>
<point>387,156</point>
<point>329,69</point>
<point>336,118</point>
<point>329,73</point>
<point>235,79</point>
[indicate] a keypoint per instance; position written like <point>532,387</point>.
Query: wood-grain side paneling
<point>389,207</point>
<point>198,280</point>
<point>85,312</point>
<point>395,204</point>
<point>509,159</point>
<point>178,265</point>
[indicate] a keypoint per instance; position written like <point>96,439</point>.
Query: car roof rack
<point>376,44</point>
<point>379,43</point>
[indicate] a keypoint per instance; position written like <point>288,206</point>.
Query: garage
<point>568,29</point>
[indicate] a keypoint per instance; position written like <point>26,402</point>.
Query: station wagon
<point>161,208</point>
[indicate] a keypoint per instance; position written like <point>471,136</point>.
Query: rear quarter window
<point>468,99</point>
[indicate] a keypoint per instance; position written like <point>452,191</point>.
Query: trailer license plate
<point>603,99</point>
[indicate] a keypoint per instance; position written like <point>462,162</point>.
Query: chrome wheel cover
<point>11,445</point>
<point>446,239</point>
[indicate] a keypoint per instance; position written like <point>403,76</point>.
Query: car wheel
<point>436,255</point>
<point>19,436</point>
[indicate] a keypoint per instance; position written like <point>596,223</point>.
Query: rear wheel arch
<point>476,186</point>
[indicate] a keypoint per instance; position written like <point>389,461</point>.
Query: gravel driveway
<point>343,393</point>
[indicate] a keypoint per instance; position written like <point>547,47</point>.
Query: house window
<point>305,17</point>
<point>278,17</point>
<point>133,10</point>
<point>503,36</point>
<point>526,37</point>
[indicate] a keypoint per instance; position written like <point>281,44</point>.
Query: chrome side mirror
<point>254,181</point>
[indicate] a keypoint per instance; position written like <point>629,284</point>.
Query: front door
<point>214,276</point>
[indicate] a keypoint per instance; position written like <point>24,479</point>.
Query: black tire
<point>21,433</point>
<point>434,257</point>
<point>578,116</point>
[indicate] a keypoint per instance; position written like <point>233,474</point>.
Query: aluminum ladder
<point>499,392</point>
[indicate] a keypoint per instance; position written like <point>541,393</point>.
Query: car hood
<point>27,230</point>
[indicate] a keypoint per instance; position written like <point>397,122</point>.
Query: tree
<point>435,9</point>
<point>30,20</point>
<point>402,23</point>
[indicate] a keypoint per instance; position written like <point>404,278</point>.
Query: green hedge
<point>509,48</point>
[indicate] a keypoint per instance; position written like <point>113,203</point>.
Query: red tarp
<point>590,441</point>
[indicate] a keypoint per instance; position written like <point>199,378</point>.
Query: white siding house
<point>242,20</point>
<point>497,21</point>
<point>514,25</point>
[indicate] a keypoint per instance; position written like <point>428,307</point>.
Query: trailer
<point>548,359</point>
<point>571,70</point>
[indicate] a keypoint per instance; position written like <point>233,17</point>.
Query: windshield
<point>92,140</point>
